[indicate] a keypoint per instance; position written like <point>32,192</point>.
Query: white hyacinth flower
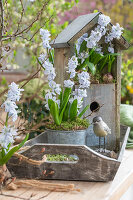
<point>42,58</point>
<point>45,38</point>
<point>14,93</point>
<point>49,70</point>
<point>10,108</point>
<point>116,31</point>
<point>6,137</point>
<point>111,49</point>
<point>103,20</point>
<point>68,83</point>
<point>84,79</point>
<point>55,87</point>
<point>99,49</point>
<point>72,65</point>
<point>80,92</point>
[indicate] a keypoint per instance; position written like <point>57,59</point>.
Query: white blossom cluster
<point>45,38</point>
<point>7,137</point>
<point>115,32</point>
<point>101,30</point>
<point>98,32</point>
<point>8,132</point>
<point>14,94</point>
<point>78,94</point>
<point>83,56</point>
<point>49,70</point>
<point>72,65</point>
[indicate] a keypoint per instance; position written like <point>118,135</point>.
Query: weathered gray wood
<point>60,62</point>
<point>79,26</point>
<point>90,166</point>
<point>72,30</point>
<point>104,94</point>
<point>118,95</point>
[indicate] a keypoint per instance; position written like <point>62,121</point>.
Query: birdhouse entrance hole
<point>94,106</point>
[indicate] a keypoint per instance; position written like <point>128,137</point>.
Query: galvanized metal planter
<point>66,137</point>
<point>90,166</point>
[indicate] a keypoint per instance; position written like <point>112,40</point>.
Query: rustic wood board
<point>112,190</point>
<point>90,166</point>
<point>104,95</point>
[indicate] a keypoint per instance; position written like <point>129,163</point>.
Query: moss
<point>60,157</point>
<point>78,124</point>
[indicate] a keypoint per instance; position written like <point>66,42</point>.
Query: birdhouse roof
<point>77,28</point>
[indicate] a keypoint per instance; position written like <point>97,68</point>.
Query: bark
<point>1,25</point>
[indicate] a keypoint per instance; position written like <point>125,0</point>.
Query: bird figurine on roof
<point>100,129</point>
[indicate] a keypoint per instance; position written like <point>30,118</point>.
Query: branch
<point>22,14</point>
<point>25,30</point>
<point>94,111</point>
<point>1,25</point>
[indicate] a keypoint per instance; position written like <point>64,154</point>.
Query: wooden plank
<point>104,95</point>
<point>89,166</point>
<point>74,28</point>
<point>118,96</point>
<point>61,57</point>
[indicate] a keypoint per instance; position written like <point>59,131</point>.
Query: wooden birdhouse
<point>104,99</point>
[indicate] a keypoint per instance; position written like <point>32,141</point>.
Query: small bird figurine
<point>101,129</point>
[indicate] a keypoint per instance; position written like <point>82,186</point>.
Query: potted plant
<point>64,103</point>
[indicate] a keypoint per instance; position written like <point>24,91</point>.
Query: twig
<point>94,111</point>
<point>29,160</point>
<point>47,186</point>
<point>31,77</point>
<point>22,14</point>
<point>25,30</point>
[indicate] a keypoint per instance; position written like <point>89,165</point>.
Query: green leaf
<point>61,98</point>
<point>82,65</point>
<point>83,111</point>
<point>102,64</point>
<point>73,110</point>
<point>54,111</point>
<point>66,96</point>
<point>5,159</point>
<point>66,112</point>
<point>83,46</point>
<point>76,1</point>
<point>91,67</point>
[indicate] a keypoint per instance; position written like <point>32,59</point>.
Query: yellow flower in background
<point>131,91</point>
<point>129,87</point>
